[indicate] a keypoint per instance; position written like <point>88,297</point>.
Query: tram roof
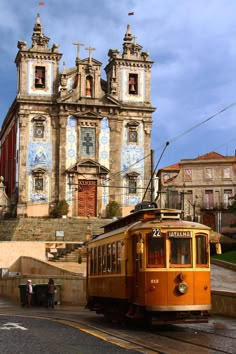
<point>144,215</point>
<point>145,218</point>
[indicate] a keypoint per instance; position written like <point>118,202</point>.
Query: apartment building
<point>202,187</point>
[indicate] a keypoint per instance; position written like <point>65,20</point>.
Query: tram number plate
<point>156,233</point>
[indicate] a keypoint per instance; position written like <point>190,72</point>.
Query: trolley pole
<point>152,178</point>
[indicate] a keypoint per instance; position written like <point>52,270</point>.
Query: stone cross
<point>78,44</point>
<point>87,143</point>
<point>90,49</point>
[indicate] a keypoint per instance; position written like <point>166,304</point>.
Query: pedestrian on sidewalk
<point>29,292</point>
<point>51,293</point>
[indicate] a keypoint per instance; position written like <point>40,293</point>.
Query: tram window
<point>113,257</point>
<point>201,250</point>
<point>104,259</point>
<point>99,259</point>
<point>180,251</point>
<point>95,261</point>
<point>109,258</point>
<point>155,251</point>
<point>119,247</point>
<point>92,261</point>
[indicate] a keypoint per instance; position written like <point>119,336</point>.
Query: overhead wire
<point>203,122</point>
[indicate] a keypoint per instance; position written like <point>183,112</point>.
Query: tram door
<point>137,259</point>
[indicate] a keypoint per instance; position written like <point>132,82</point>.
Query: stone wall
<point>72,286</point>
<point>223,303</point>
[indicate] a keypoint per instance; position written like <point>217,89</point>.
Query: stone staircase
<point>67,254</point>
<point>45,229</point>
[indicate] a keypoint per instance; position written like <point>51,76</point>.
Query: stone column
<point>62,156</point>
<point>22,166</point>
<point>4,200</point>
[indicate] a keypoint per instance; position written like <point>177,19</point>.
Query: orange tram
<point>150,265</point>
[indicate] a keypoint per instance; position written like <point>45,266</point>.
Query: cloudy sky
<point>192,44</point>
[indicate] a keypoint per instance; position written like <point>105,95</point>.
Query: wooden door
<point>87,198</point>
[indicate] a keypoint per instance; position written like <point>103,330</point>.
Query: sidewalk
<point>222,279</point>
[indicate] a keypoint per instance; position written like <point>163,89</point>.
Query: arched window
<point>89,86</point>
<point>133,84</point>
<point>40,77</point>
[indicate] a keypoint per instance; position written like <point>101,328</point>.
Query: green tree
<point>233,205</point>
<point>113,209</point>
<point>62,208</point>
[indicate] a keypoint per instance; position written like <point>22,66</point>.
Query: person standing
<point>29,292</point>
<point>51,293</point>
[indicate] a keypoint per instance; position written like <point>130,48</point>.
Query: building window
<point>172,199</point>
<point>132,180</point>
<point>208,199</point>
<point>87,142</point>
<point>208,173</point>
<point>38,181</point>
<point>187,174</point>
<point>227,196</point>
<point>89,86</point>
<point>38,184</point>
<point>133,84</point>
<point>132,185</point>
<point>40,77</point>
<point>226,172</point>
<point>39,130</point>
<point>132,135</point>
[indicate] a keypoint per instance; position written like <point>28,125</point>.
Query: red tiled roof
<point>210,155</point>
<point>174,167</point>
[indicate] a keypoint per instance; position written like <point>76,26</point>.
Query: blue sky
<point>192,44</point>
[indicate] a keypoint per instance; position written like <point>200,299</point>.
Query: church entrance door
<point>87,198</point>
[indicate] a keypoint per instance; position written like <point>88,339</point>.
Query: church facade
<point>69,134</point>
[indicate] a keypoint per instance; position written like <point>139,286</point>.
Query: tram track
<point>172,340</point>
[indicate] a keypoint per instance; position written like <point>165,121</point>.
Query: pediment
<point>88,115</point>
<point>90,62</point>
<point>112,100</point>
<point>89,166</point>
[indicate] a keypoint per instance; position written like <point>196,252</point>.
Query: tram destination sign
<point>183,234</point>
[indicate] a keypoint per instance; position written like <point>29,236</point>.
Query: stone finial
<point>55,48</point>
<point>38,38</point>
<point>1,180</point>
<point>128,36</point>
<point>21,45</point>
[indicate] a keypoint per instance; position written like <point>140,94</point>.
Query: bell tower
<point>37,66</point>
<point>129,74</point>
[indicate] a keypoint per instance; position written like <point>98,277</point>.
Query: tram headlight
<point>182,288</point>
